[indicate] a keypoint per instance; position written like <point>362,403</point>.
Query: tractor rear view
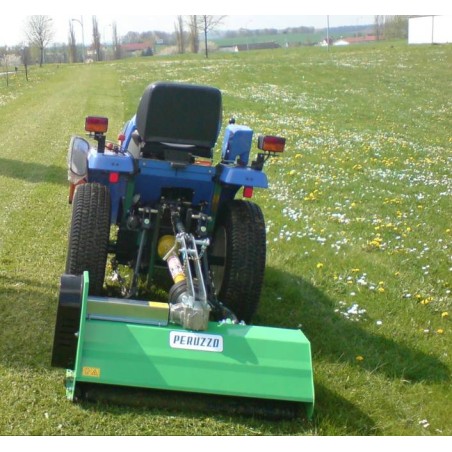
<point>156,203</point>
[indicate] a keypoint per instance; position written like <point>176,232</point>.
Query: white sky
<point>161,15</point>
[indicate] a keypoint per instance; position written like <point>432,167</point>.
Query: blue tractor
<point>157,202</point>
<point>159,182</point>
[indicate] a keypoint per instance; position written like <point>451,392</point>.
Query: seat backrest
<point>180,114</point>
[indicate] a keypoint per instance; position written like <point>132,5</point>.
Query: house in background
<point>430,30</point>
<point>361,39</point>
<point>137,49</point>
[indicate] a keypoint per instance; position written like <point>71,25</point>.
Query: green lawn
<point>358,231</point>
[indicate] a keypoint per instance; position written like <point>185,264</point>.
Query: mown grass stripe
<point>357,218</point>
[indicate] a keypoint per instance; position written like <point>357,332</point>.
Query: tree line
<point>190,35</point>
<point>391,27</point>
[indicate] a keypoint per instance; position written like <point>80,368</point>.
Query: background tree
<point>180,34</point>
<point>96,40</point>
<point>39,31</point>
<point>193,33</point>
<point>72,44</point>
<point>117,53</point>
<point>131,37</point>
<point>4,62</point>
<point>26,59</point>
<point>208,23</point>
<point>396,27</point>
<point>379,26</point>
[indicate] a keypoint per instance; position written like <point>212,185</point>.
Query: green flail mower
<point>156,202</point>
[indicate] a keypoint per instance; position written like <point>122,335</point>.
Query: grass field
<point>358,221</point>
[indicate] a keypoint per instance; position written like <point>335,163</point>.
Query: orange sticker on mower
<point>91,372</point>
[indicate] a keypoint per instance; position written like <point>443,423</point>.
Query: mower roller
<point>155,202</point>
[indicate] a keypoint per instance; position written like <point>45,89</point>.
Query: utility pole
<point>328,32</point>
<point>433,29</point>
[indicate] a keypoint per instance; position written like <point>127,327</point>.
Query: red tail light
<point>96,124</point>
<point>271,143</point>
<point>113,178</point>
<point>247,192</point>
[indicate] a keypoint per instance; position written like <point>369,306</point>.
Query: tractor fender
<point>237,144</point>
<point>111,162</point>
<point>243,176</point>
<point>101,166</point>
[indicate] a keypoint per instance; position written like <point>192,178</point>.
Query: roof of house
<point>356,39</point>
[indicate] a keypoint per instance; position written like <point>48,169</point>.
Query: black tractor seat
<point>178,121</point>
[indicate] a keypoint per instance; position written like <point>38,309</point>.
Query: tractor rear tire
<point>89,234</point>
<point>238,257</point>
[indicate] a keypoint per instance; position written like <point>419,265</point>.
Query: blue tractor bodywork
<point>161,177</point>
<point>151,177</point>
